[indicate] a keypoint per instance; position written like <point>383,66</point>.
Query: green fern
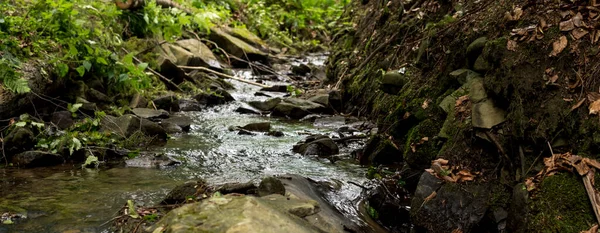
<point>10,77</point>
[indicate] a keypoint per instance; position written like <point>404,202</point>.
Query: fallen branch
<point>223,75</point>
<point>349,138</point>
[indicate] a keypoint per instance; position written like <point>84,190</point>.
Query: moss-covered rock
<point>561,205</point>
<point>421,145</point>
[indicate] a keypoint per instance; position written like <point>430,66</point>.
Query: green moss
<point>424,150</point>
<point>561,205</point>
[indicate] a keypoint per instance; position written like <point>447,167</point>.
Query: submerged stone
<point>323,146</point>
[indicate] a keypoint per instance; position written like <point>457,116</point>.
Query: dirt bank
<point>491,86</point>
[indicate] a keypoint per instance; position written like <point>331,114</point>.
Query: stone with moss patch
<point>561,205</point>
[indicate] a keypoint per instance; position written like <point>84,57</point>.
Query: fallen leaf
<point>553,79</point>
<point>461,100</point>
<point>578,20</point>
<point>593,96</point>
<point>425,104</point>
<point>595,107</point>
<point>566,26</point>
<point>593,229</point>
<point>578,33</point>
<point>511,45</point>
<point>559,45</point>
<point>576,106</point>
<point>565,14</point>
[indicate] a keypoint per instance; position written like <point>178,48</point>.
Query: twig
<point>589,188</point>
<point>156,73</point>
<point>359,185</point>
<point>138,226</point>
<point>112,219</point>
<point>150,48</point>
<point>3,153</point>
<point>222,75</point>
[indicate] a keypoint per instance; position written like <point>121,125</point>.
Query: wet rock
<point>453,207</point>
<point>335,100</point>
<point>169,103</point>
<point>391,200</point>
<point>242,188</point>
<point>261,94</point>
<point>150,114</point>
<point>322,99</point>
<point>181,193</point>
<point>243,110</point>
<point>235,46</point>
<point>86,106</point>
<point>62,119</point>
<point>297,108</point>
<point>301,69</point>
<point>128,124</point>
<point>258,127</point>
<point>486,115</point>
<point>518,210</point>
<point>186,105</point>
<point>248,37</point>
<point>320,146</point>
<point>270,185</point>
<point>183,122</point>
<point>171,128</point>
<point>37,159</point>
<point>218,98</point>
<point>392,82</point>
<point>97,96</point>
<point>245,132</point>
<point>380,150</point>
<point>276,133</point>
<point>151,161</point>
<point>265,105</point>
<point>18,140</point>
<point>276,88</point>
<point>235,213</point>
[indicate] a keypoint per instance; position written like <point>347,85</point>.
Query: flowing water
<point>70,199</point>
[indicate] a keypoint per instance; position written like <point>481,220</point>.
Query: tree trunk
<point>136,4</point>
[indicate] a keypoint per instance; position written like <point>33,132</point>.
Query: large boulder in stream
<point>128,124</point>
<point>317,145</point>
<point>297,108</point>
<point>301,209</point>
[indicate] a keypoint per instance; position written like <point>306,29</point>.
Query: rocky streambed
<point>253,134</point>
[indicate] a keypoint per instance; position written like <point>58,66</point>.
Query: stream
<point>70,199</point>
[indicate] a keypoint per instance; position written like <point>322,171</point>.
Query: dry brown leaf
<point>568,99</point>
<point>511,45</point>
<point>543,24</point>
<point>593,96</point>
<point>592,162</point>
<point>578,33</point>
<point>426,103</point>
<point>566,26</point>
<point>461,100</point>
<point>594,107</point>
<point>593,229</point>
<point>595,36</point>
<point>441,161</point>
<point>553,79</point>
<point>578,20</point>
<point>565,14</point>
<point>559,45</point>
<point>576,106</point>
